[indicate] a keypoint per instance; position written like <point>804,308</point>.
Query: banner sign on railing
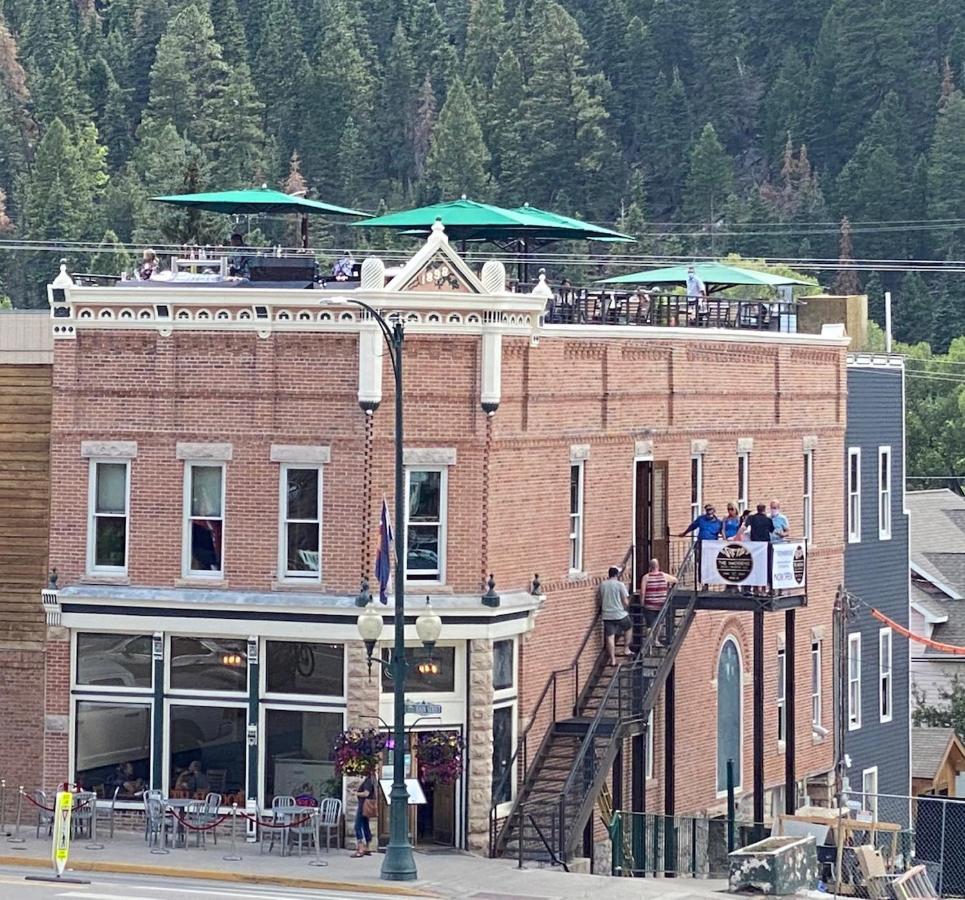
<point>61,848</point>
<point>733,563</point>
<point>788,565</point>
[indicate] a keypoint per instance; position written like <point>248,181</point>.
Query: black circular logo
<point>798,565</point>
<point>734,563</point>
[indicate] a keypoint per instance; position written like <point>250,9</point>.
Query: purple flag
<point>383,562</point>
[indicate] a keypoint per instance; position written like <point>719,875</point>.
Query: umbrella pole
<point>304,228</point>
<point>523,267</point>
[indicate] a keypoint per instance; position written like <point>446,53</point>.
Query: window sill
<point>104,578</point>
<point>301,585</point>
<point>576,576</point>
<point>195,581</point>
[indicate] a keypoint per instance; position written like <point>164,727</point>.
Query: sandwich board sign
<point>62,810</point>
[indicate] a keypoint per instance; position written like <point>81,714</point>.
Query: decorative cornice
<point>642,449</point>
<point>809,442</point>
<point>108,449</point>
<point>697,447</point>
<point>429,456</point>
<point>579,452</point>
<point>745,445</point>
<point>193,452</point>
<point>301,453</point>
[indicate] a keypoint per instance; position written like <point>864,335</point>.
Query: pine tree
<point>497,117</point>
<point>437,55</point>
<point>396,108</point>
<point>485,39</point>
<point>946,162</point>
<point>846,281</point>
<point>229,31</point>
<point>235,143</point>
<point>111,258</point>
<point>782,112</point>
<point>352,175</point>
<point>422,126</point>
<point>912,310</point>
<point>458,160</point>
<point>710,179</point>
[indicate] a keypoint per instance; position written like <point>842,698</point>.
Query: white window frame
<point>743,480</point>
<point>854,495</point>
<point>884,493</point>
<point>443,523</point>
<point>185,696</point>
<point>291,700</point>
<point>186,570</point>
<point>817,710</point>
<point>781,695</point>
<point>507,698</point>
<point>576,517</point>
<point>739,762</point>
<point>807,515</point>
<point>869,797</point>
<point>886,707</point>
<point>650,746</point>
<point>696,487</point>
<point>284,574</point>
<point>854,681</point>
<point>93,515</point>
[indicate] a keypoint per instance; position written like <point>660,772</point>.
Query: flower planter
<point>777,866</point>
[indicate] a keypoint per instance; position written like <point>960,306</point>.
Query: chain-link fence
<point>927,830</point>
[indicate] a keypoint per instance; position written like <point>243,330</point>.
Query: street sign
<point>62,810</point>
<point>422,708</point>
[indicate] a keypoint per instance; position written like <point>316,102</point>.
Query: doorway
<point>651,533</point>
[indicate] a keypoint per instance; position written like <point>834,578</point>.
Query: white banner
<point>734,563</point>
<point>789,565</point>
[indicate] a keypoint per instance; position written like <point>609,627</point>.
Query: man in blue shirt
<point>707,526</point>
<point>782,529</point>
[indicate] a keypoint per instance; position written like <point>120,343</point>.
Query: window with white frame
<point>109,505</point>
<point>696,486</point>
<point>204,523</point>
<point>781,695</point>
<point>807,515</point>
<point>884,493</point>
<point>884,675</point>
<point>300,523</point>
<point>730,714</point>
<point>816,682</point>
<point>869,790</point>
<point>504,720</point>
<point>743,480</point>
<point>425,552</point>
<point>576,517</point>
<point>854,681</point>
<point>854,495</point>
<point>650,745</point>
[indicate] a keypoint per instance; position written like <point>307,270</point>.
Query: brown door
<point>642,518</point>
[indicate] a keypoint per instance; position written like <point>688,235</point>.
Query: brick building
<point>219,460</point>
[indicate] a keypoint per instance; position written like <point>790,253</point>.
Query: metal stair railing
<point>630,696</point>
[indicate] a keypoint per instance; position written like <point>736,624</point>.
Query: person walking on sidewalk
<point>654,588</point>
<point>367,807</point>
<point>614,601</point>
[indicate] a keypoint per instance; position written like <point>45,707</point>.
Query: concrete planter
<point>776,866</point>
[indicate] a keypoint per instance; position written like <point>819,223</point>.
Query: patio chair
<point>202,815</point>
<point>149,795</point>
<point>284,802</point>
<point>157,824</point>
<point>329,813</point>
<point>45,818</point>
<point>303,830</point>
<point>107,811</point>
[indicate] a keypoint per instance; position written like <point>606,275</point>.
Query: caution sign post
<point>62,810</point>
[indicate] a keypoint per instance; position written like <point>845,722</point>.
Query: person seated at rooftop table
<point>237,262</point>
<point>344,266</point>
<point>148,266</point>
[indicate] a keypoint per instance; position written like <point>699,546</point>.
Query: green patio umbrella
<point>591,231</point>
<point>715,276</point>
<point>251,201</point>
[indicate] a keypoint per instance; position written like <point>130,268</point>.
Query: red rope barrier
<point>264,823</point>
<point>191,827</point>
<point>80,806</point>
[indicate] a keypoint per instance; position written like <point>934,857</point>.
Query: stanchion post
<point>16,839</point>
<point>3,805</point>
<point>233,856</point>
<point>317,861</point>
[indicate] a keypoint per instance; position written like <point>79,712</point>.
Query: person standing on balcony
<point>654,588</point>
<point>782,528</point>
<point>761,527</point>
<point>707,526</point>
<point>732,524</point>
<point>697,294</point>
<point>614,600</point>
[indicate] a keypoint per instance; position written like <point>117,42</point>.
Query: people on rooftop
<point>148,266</point>
<point>344,267</point>
<point>707,525</point>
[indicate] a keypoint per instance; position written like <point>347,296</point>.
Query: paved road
<point>140,887</point>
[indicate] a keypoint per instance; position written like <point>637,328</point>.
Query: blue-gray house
<point>874,670</point>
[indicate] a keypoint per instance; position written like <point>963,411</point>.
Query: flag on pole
<point>383,563</point>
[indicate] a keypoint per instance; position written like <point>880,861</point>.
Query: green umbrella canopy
<point>593,232</point>
<point>716,276</point>
<point>250,201</point>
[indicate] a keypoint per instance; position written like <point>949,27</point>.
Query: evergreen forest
<point>808,129</point>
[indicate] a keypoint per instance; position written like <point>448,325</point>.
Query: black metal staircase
<point>574,760</point>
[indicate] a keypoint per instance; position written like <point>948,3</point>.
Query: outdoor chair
<point>45,818</point>
<point>150,795</point>
<point>82,815</point>
<point>157,824</point>
<point>303,831</point>
<point>281,801</point>
<point>108,811</point>
<point>329,813</point>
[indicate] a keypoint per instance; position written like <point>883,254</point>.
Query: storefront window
<point>502,665</point>
<point>112,747</point>
<point>502,754</point>
<point>437,678</point>
<point>114,660</point>
<point>303,667</point>
<point>209,664</point>
<point>298,755</point>
<point>208,750</point>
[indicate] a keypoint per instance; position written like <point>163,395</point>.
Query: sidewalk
<point>441,874</point>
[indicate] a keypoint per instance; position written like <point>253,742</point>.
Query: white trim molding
<point>108,449</point>
<point>643,449</point>
<point>697,447</point>
<point>809,442</point>
<point>301,454</point>
<point>579,452</point>
<point>429,456</point>
<point>204,452</point>
<point>745,445</point>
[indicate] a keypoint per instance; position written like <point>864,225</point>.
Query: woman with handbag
<point>368,807</point>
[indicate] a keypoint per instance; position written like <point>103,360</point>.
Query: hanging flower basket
<point>358,751</point>
<point>440,756</point>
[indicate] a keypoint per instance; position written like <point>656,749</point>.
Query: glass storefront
<point>208,751</point>
<point>209,664</point>
<point>112,747</point>
<point>298,754</point>
<point>304,667</point>
<point>439,679</point>
<point>114,660</point>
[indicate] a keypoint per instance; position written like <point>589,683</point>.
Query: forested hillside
<point>701,127</point>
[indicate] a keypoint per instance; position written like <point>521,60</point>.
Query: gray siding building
<point>875,673</point>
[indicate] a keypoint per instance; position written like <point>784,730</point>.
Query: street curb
<point>228,877</point>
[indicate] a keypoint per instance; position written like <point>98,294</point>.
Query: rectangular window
<point>650,745</point>
<point>696,486</point>
<point>854,681</point>
<point>204,490</point>
<point>884,493</point>
<point>109,507</point>
<point>816,682</point>
<point>305,667</point>
<point>781,695</point>
<point>209,664</point>
<point>300,529</point>
<point>869,790</point>
<point>884,674</point>
<point>576,517</point>
<point>426,525</point>
<point>854,495</point>
<point>437,676</point>
<point>112,748</point>
<point>503,750</point>
<point>298,754</point>
<point>807,514</point>
<point>209,751</point>
<point>114,660</point>
<point>743,480</point>
<point>504,674</point>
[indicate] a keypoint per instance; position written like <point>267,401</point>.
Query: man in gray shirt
<point>614,602</point>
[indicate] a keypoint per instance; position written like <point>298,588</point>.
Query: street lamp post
<point>399,862</point>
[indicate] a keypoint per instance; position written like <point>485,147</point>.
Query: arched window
<point>730,713</point>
